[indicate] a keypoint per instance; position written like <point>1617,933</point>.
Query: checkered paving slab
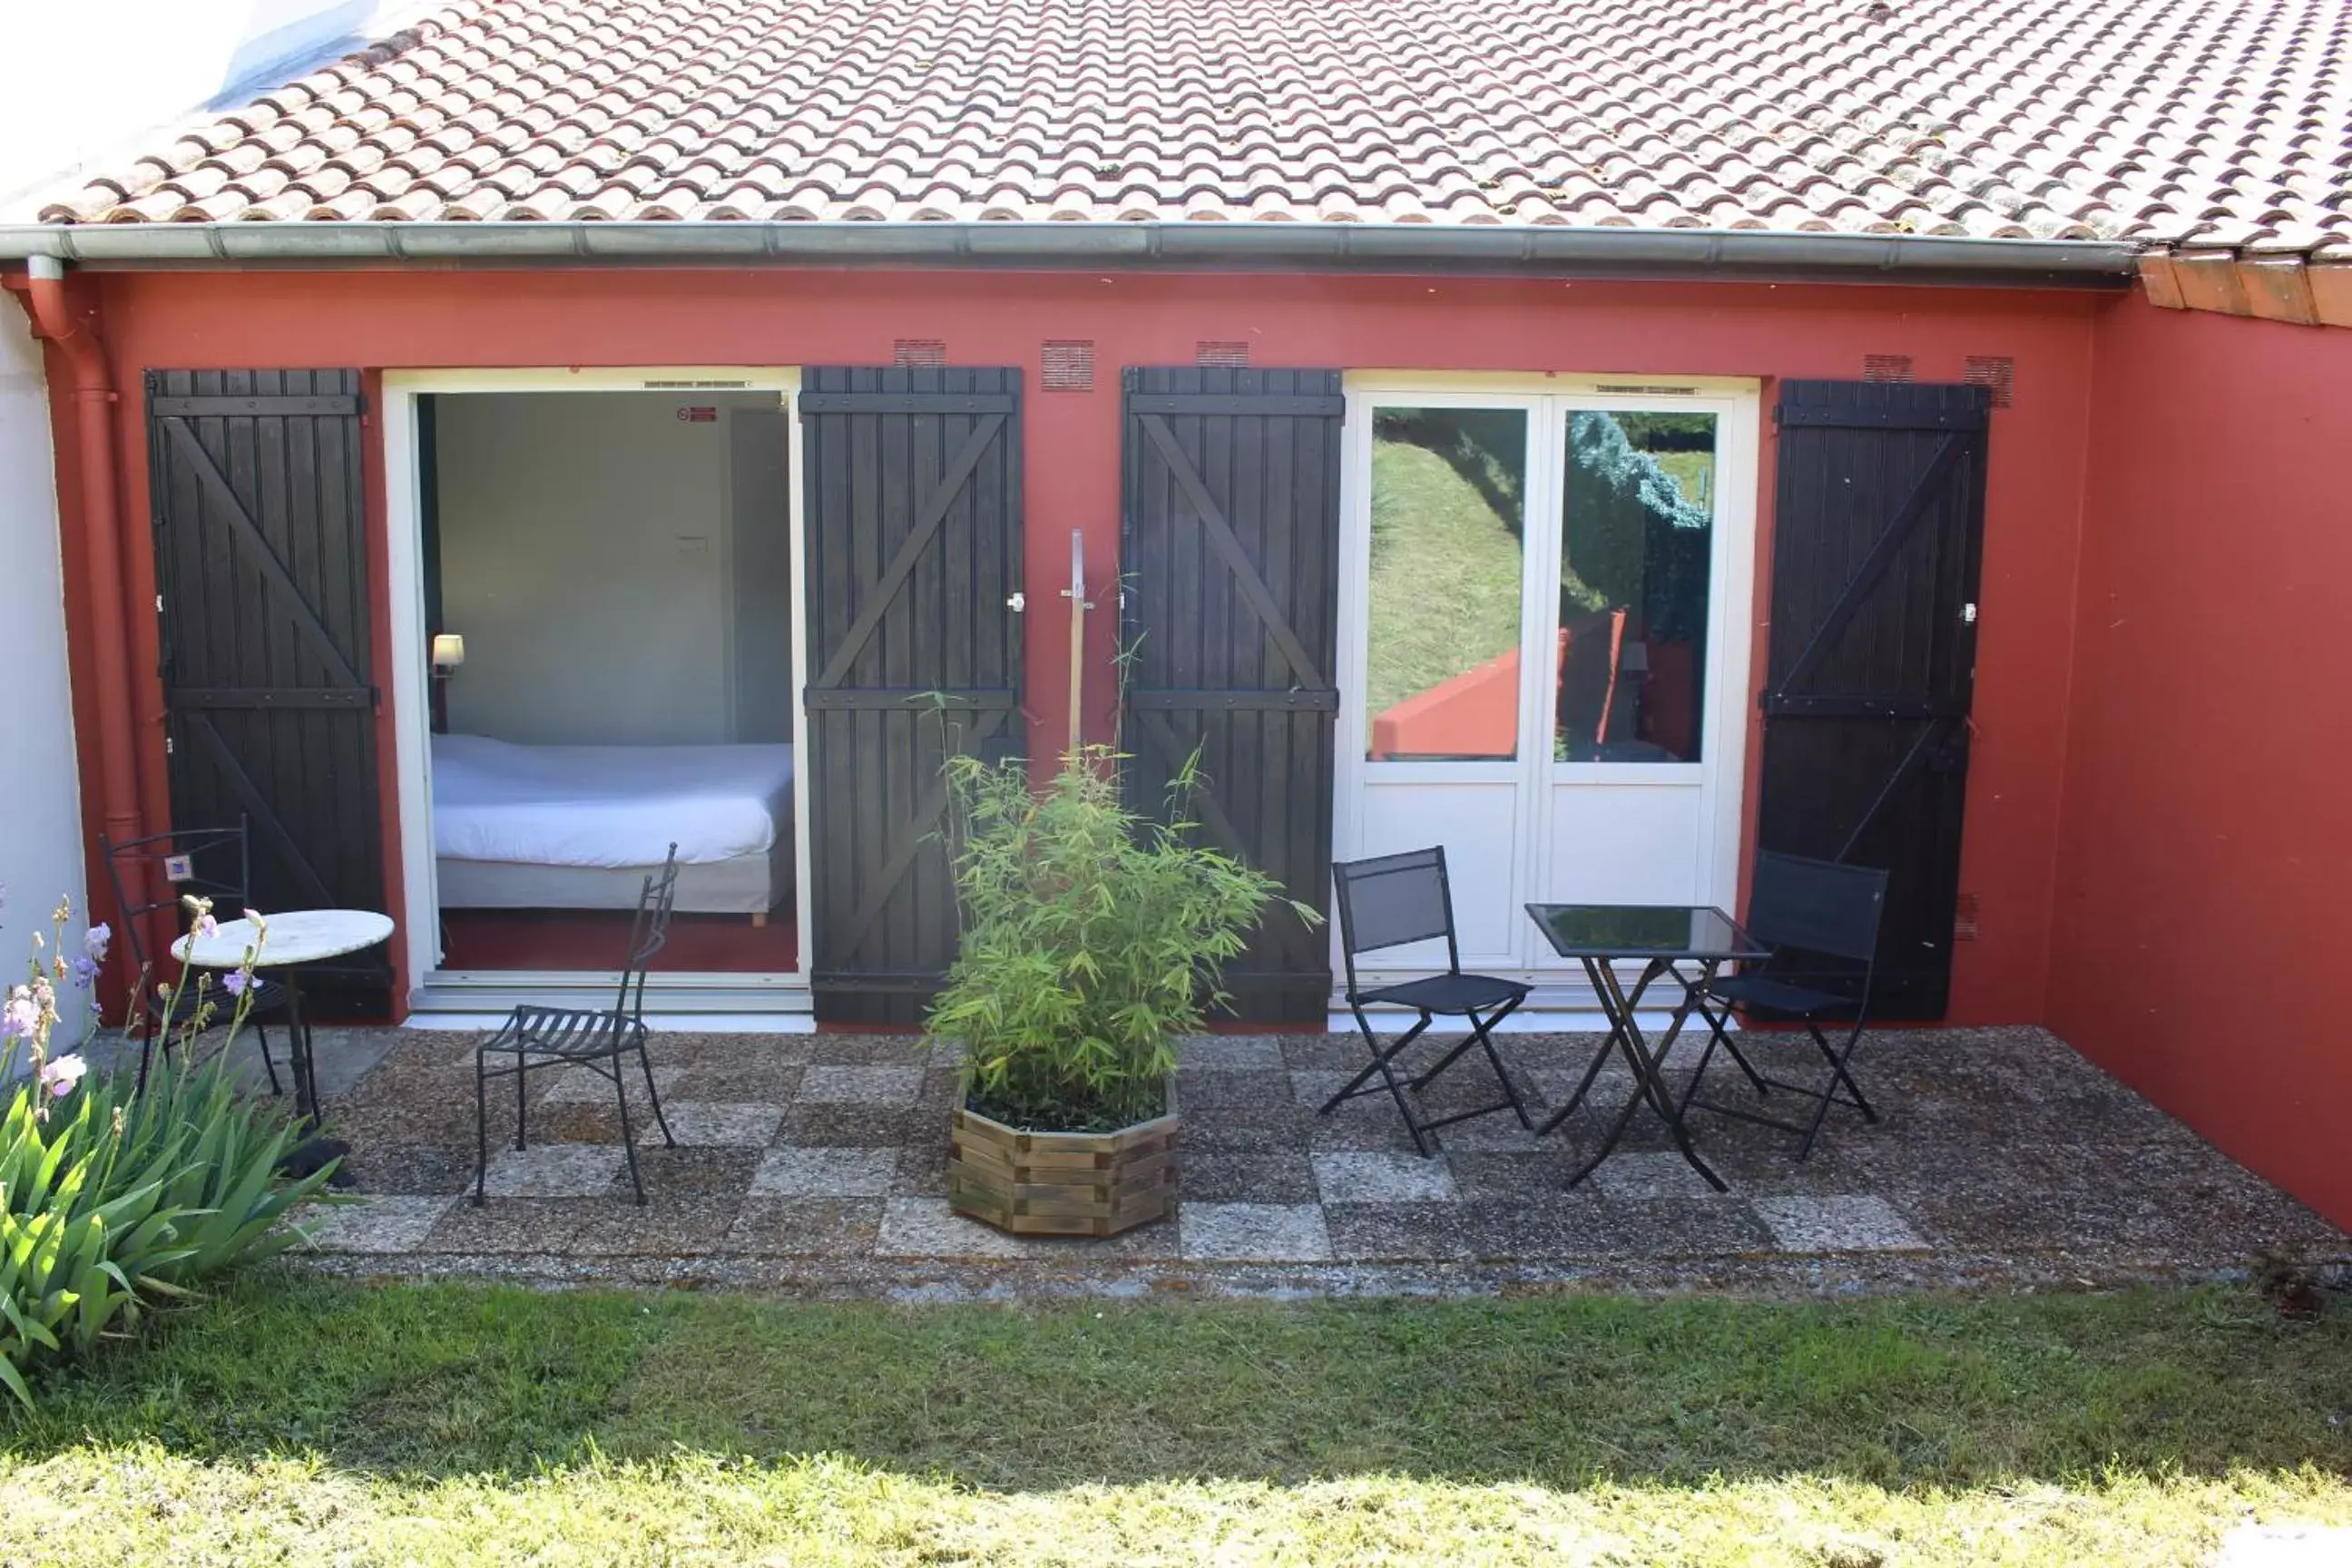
<point>819,1163</point>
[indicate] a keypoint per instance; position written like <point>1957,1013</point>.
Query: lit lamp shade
<point>448,652</point>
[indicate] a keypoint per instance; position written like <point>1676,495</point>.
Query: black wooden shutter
<point>1229,599</point>
<point>1878,531</point>
<point>913,489</point>
<point>269,685</point>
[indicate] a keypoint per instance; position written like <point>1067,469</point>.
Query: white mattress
<point>608,805</point>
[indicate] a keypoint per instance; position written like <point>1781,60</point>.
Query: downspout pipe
<point>99,536</point>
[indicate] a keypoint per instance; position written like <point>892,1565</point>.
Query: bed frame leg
<point>760,920</point>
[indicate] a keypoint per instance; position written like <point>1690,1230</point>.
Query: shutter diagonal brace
<point>257,808</point>
<point>1902,770</point>
<point>1221,535</point>
<point>273,571</point>
<point>918,538</point>
<point>912,837</point>
<point>1874,565</point>
<point>1297,938</point>
<point>1162,736</point>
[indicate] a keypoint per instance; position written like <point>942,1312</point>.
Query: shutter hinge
<point>159,603</point>
<point>167,745</point>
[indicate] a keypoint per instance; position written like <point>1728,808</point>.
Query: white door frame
<point>431,988</point>
<point>1731,617</point>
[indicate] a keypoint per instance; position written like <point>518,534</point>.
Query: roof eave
<point>1545,249</point>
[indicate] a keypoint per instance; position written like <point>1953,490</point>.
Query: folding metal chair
<point>1805,911</point>
<point>1387,902</point>
<point>212,863</point>
<point>598,1039</point>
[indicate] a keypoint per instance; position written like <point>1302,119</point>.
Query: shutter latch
<point>1968,614</point>
<point>1017,602</point>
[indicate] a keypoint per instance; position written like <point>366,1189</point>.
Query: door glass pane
<point>1449,485</point>
<point>1637,534</point>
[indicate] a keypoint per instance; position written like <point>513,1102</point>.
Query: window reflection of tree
<point>1636,530</point>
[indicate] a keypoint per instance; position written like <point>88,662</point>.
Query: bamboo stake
<point>1079,604</point>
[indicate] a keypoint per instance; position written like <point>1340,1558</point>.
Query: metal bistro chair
<point>1804,911</point>
<point>209,863</point>
<point>598,1040</point>
<point>1387,902</point>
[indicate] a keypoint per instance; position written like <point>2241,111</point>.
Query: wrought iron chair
<point>212,863</point>
<point>600,1040</point>
<point>1806,911</point>
<point>1390,902</point>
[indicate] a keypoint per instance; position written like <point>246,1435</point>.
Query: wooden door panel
<point>1878,539</point>
<point>912,482</point>
<point>1229,603</point>
<point>267,662</point>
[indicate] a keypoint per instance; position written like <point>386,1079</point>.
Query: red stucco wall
<point>2200,908</point>
<point>418,318</point>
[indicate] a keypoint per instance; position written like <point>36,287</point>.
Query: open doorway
<point>608,602</point>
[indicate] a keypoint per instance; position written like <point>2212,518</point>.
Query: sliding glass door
<point>1544,613</point>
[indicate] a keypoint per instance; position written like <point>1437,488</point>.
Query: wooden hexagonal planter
<point>1063,1184</point>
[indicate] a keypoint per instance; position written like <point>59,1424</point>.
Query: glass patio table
<point>1662,939</point>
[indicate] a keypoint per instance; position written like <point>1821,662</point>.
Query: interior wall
<point>2203,860</point>
<point>588,559</point>
<point>760,528</point>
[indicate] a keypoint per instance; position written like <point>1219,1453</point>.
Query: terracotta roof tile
<point>2224,121</point>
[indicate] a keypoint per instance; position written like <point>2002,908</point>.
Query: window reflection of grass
<point>1444,594</point>
<point>1693,475</point>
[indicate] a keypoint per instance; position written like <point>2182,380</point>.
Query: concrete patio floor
<point>816,1164</point>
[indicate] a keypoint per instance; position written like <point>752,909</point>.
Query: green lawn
<point>300,1421</point>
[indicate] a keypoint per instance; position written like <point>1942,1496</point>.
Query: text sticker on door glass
<point>692,416</point>
<point>179,868</point>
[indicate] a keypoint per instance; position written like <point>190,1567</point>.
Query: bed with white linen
<point>580,827</point>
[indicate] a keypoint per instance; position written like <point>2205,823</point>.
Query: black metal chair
<point>1387,902</point>
<point>212,863</point>
<point>1806,911</point>
<point>598,1039</point>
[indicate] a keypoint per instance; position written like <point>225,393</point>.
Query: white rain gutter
<point>1547,250</point>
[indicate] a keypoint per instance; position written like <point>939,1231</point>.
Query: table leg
<point>1601,1056</point>
<point>1626,1035</point>
<point>314,1151</point>
<point>297,1049</point>
<point>1664,1099</point>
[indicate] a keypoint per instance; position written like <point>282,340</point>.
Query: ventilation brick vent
<point>918,353</point>
<point>1210,355</point>
<point>1066,364</point>
<point>1886,367</point>
<point>1997,371</point>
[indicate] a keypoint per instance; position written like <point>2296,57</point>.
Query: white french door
<point>1545,618</point>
